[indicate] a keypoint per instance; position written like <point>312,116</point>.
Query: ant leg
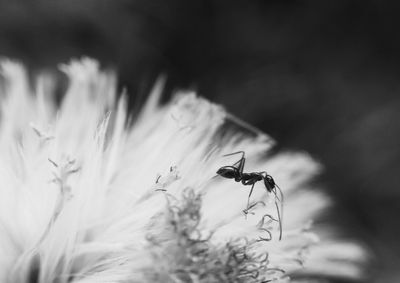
<point>280,221</point>
<point>242,152</point>
<point>281,203</point>
<point>280,193</point>
<point>240,162</point>
<point>241,165</point>
<point>248,199</point>
<point>279,210</point>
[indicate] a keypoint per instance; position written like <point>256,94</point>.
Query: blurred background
<point>318,76</point>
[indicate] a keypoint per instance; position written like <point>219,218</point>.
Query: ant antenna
<point>279,210</point>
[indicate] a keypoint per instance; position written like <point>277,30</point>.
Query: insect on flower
<point>235,171</point>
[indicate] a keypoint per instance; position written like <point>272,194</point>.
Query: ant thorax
<point>253,177</point>
<point>228,172</point>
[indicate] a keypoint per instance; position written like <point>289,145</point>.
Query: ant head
<point>228,172</point>
<point>269,183</point>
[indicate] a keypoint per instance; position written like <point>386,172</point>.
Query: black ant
<point>236,172</point>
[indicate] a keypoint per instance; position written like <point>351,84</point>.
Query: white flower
<point>88,195</point>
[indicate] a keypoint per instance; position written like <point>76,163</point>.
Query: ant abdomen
<point>227,172</point>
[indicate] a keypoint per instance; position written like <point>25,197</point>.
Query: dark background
<point>319,76</point>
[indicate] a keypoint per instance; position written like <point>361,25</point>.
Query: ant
<point>236,172</point>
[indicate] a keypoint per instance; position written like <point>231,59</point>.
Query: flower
<point>89,194</point>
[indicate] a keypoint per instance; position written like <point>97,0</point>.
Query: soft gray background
<point>320,76</point>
